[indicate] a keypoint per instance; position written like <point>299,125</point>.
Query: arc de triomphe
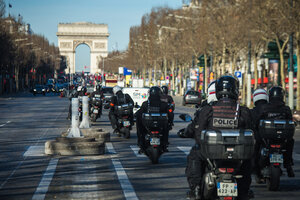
<point>70,35</point>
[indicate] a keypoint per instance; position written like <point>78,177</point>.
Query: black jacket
<point>119,99</point>
<point>276,109</point>
<point>154,103</point>
<point>222,114</point>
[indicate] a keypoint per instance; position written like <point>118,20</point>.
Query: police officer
<point>119,98</point>
<point>260,100</point>
<point>276,109</point>
<point>170,101</point>
<point>98,95</point>
<point>228,109</point>
<point>154,104</point>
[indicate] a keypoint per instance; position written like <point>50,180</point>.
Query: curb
<point>93,143</point>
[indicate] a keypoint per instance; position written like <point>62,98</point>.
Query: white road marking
<point>185,149</point>
<point>128,190</point>
<point>42,189</point>
<point>296,156</point>
<point>136,149</point>
<point>35,151</point>
<point>1,125</point>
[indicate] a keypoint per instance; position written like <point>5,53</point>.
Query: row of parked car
<point>43,89</point>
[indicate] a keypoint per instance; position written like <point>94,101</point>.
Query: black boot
<point>191,195</point>
<point>290,171</point>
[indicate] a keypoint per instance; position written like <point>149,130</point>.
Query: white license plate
<point>155,141</point>
<point>95,111</point>
<point>276,158</point>
<point>227,189</point>
<point>126,123</point>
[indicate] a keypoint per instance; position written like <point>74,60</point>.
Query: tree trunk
<point>282,70</point>
<point>173,75</point>
<point>154,75</point>
<point>298,70</point>
<point>223,59</point>
<point>17,70</point>
<point>150,76</point>
<point>144,76</point>
<point>180,79</point>
<point>244,88</point>
<point>255,71</point>
<point>205,74</point>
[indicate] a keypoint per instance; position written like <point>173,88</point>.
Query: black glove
<point>181,133</point>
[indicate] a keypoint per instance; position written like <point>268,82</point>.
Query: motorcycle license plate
<point>227,189</point>
<point>276,158</point>
<point>126,123</point>
<point>95,111</point>
<point>154,141</point>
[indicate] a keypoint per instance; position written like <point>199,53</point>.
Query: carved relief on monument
<point>99,45</point>
<point>65,45</point>
<point>78,42</point>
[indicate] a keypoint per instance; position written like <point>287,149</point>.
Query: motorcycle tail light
<point>276,164</point>
<point>96,106</point>
<point>230,170</point>
<point>222,170</point>
<point>275,145</point>
<point>125,117</point>
<point>154,132</point>
<point>227,198</point>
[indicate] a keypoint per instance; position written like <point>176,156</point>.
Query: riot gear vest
<point>121,99</point>
<point>225,116</point>
<point>153,109</point>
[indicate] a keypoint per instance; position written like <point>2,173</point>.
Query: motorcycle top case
<point>124,109</point>
<point>155,120</point>
<point>276,129</point>
<point>227,144</point>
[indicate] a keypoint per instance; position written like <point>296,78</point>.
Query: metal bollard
<point>85,123</point>
<point>74,131</point>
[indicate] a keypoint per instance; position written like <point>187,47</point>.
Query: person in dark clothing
<point>167,98</point>
<point>154,104</point>
<point>118,99</point>
<point>276,109</point>
<point>96,97</point>
<point>236,117</point>
<point>73,94</point>
<point>260,99</point>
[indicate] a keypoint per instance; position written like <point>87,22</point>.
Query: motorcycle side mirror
<point>185,117</point>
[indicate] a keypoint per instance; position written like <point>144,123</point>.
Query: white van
<point>138,95</point>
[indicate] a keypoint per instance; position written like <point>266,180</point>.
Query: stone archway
<point>71,35</point>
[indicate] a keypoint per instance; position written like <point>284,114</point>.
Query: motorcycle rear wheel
<point>274,180</point>
<point>126,133</point>
<point>93,117</point>
<point>154,155</point>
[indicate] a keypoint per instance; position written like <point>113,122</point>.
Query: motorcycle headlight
<point>34,89</point>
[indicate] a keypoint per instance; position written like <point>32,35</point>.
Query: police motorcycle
<point>95,107</point>
<point>224,151</point>
<point>274,134</point>
<point>155,124</point>
<point>124,112</point>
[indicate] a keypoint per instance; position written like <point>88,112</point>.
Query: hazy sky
<point>120,15</point>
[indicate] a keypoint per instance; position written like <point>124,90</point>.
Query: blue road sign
<point>238,74</point>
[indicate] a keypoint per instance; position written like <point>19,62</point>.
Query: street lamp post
<point>291,71</point>
<point>249,76</point>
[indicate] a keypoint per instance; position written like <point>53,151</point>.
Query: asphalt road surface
<point>27,122</point>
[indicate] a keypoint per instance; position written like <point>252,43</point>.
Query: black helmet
<point>155,91</point>
<point>227,86</point>
<point>276,93</point>
<point>165,89</point>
